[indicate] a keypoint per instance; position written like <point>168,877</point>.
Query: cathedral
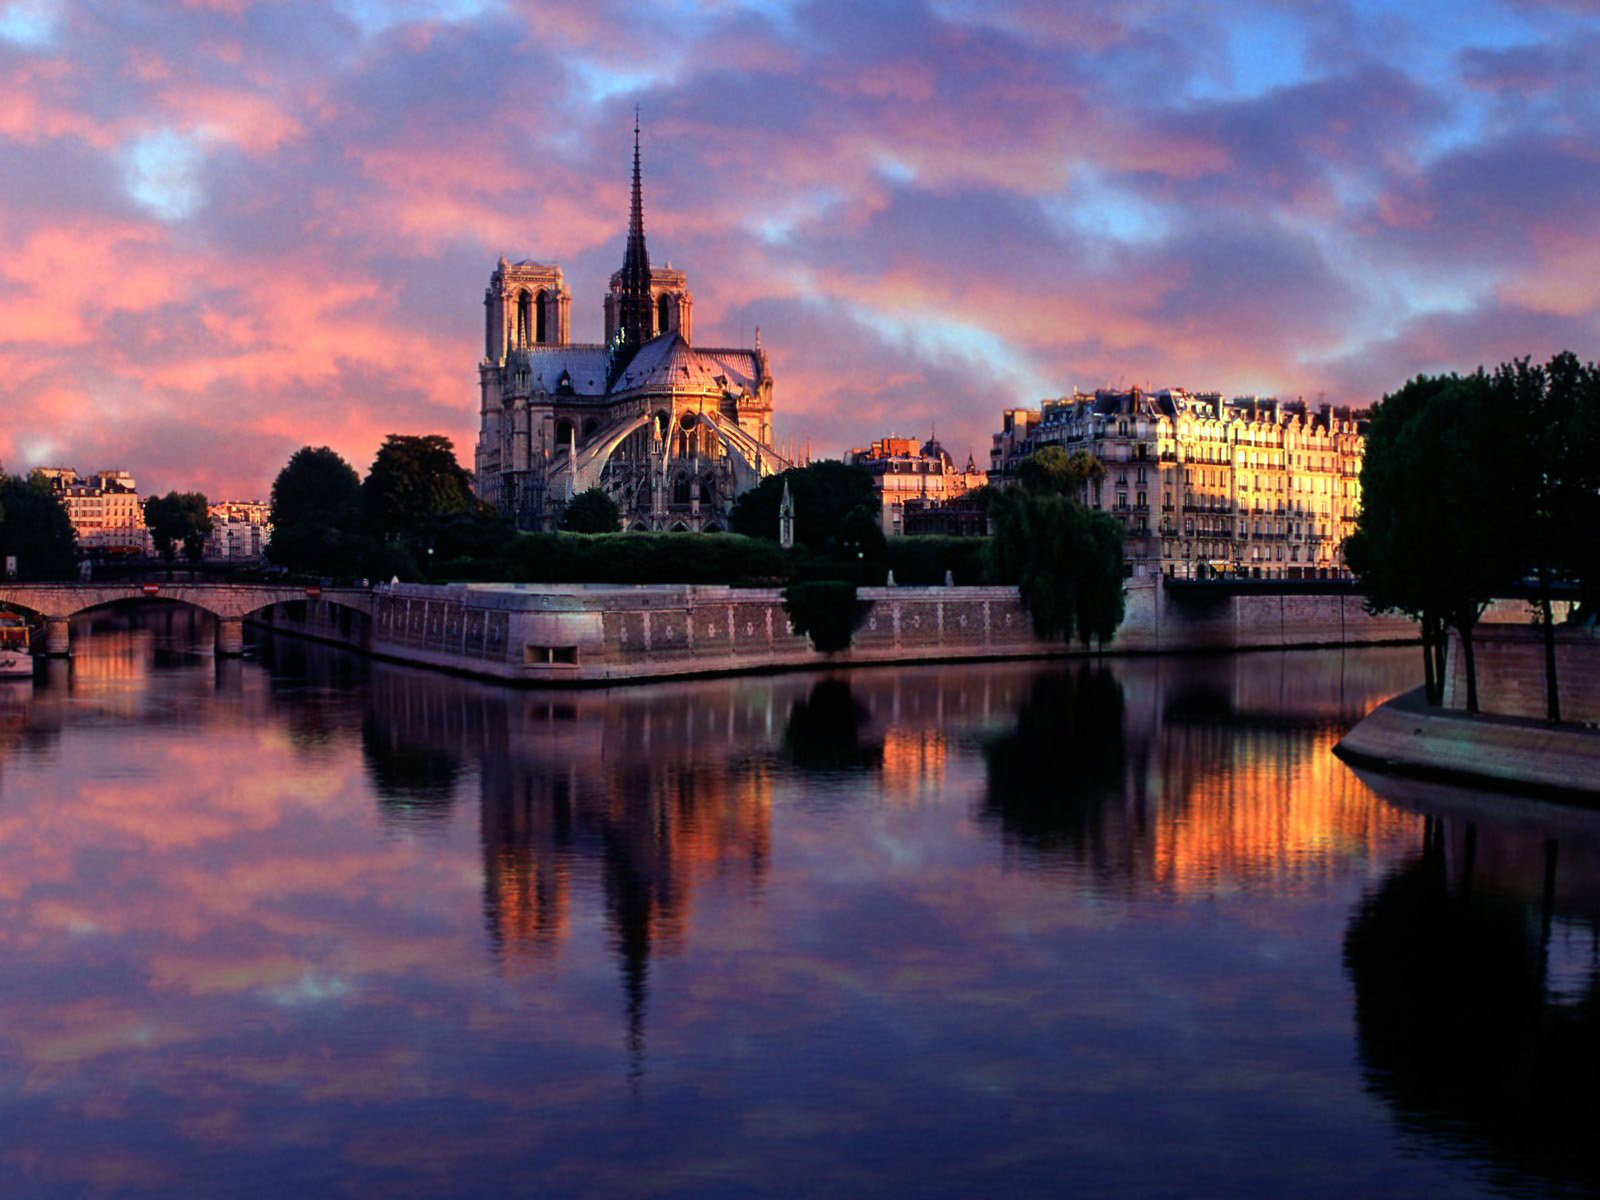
<point>672,432</point>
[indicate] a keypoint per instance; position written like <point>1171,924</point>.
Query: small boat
<point>15,660</point>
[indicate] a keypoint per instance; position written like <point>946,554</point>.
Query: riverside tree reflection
<point>1476,968</point>
<point>1054,777</point>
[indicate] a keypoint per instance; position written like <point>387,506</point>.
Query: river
<point>307,925</point>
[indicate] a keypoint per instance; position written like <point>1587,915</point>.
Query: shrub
<point>827,612</point>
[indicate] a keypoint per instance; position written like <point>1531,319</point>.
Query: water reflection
<point>1055,780</point>
<point>1189,776</point>
<point>1004,928</point>
<point>1476,967</point>
<point>828,731</point>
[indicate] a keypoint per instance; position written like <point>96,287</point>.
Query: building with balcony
<point>104,508</point>
<point>905,473</point>
<point>1206,486</point>
<point>240,530</point>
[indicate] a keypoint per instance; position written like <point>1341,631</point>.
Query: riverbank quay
<point>1509,745</point>
<point>1406,736</point>
<point>588,634</point>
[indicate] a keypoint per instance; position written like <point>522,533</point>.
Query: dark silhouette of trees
<point>316,514</point>
<point>1471,485</point>
<point>592,511</point>
<point>824,494</point>
<point>827,611</point>
<point>1549,470</point>
<point>414,481</point>
<point>178,520</point>
<point>35,529</point>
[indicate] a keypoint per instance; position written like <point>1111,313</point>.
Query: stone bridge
<point>56,603</point>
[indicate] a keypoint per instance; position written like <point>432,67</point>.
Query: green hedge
<point>644,558</point>
<point>922,561</point>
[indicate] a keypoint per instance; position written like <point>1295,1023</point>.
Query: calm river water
<point>306,926</point>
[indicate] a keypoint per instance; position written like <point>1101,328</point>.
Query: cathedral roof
<point>664,364</point>
<point>583,365</point>
<point>668,363</point>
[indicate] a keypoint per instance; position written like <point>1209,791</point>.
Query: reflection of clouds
<point>280,980</point>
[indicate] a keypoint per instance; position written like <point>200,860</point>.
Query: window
<point>542,656</point>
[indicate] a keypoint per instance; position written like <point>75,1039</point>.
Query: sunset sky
<point>231,229</point>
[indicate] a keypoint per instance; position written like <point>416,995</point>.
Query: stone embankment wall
<point>1510,666</point>
<point>592,634</point>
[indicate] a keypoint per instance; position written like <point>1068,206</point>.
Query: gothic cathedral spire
<point>634,304</point>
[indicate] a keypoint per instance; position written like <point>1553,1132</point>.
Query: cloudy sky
<point>228,229</point>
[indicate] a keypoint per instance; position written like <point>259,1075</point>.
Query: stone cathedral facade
<point>673,432</point>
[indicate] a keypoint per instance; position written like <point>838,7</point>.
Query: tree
<point>824,494</point>
<point>1065,560</point>
<point>859,540</point>
<point>1426,542</point>
<point>316,514</point>
<point>413,483</point>
<point>827,611</point>
<point>592,511</point>
<point>1548,469</point>
<point>35,529</point>
<point>1052,469</point>
<point>178,519</point>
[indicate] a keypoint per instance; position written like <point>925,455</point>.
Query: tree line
<point>1474,486</point>
<point>414,516</point>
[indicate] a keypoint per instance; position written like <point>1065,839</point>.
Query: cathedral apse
<point>671,431</point>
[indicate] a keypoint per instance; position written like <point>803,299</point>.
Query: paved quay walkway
<point>1405,736</point>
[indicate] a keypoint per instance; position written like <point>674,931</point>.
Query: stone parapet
<point>1511,672</point>
<point>577,633</point>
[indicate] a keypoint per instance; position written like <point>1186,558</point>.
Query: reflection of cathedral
<point>671,431</point>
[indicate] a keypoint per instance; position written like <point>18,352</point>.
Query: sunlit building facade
<point>104,508</point>
<point>1206,486</point>
<point>905,472</point>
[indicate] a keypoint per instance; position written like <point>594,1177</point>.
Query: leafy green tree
<point>1426,542</point>
<point>414,482</point>
<point>1581,501</point>
<point>35,529</point>
<point>1051,469</point>
<point>824,493</point>
<point>1065,560</point>
<point>316,516</point>
<point>315,485</point>
<point>178,520</point>
<point>592,511</point>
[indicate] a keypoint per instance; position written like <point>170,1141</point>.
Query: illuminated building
<point>903,472</point>
<point>240,529</point>
<point>104,509</point>
<point>1206,486</point>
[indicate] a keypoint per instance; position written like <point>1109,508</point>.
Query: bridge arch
<point>55,604</point>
